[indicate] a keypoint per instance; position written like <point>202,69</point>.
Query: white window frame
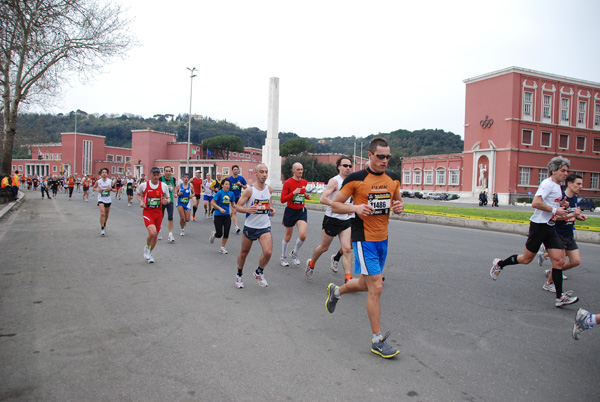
<point>524,173</point>
<point>417,176</point>
<point>46,156</point>
<point>542,175</point>
<point>120,169</point>
<point>428,177</point>
<point>560,135</point>
<point>226,171</point>
<point>247,156</point>
<point>406,176</point>
<point>56,157</point>
<point>528,105</point>
<point>549,139</point>
<point>441,182</point>
<point>597,116</point>
<point>564,109</point>
<point>241,155</point>
<point>584,142</point>
<point>234,154</point>
<point>110,157</point>
<point>454,177</point>
<point>119,158</point>
<point>547,108</point>
<point>523,137</point>
<point>595,141</point>
<point>127,159</point>
<point>54,169</point>
<point>595,180</point>
<point>114,169</point>
<point>581,114</point>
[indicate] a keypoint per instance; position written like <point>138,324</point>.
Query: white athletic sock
<point>591,322</point>
<point>284,245</point>
<point>299,244</point>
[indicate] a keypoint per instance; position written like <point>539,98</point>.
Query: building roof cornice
<point>87,135</point>
<point>540,74</point>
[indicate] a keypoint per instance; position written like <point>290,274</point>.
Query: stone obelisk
<point>270,151</point>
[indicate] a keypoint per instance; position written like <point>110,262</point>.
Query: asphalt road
<point>85,318</point>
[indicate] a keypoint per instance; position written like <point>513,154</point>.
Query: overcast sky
<point>345,67</point>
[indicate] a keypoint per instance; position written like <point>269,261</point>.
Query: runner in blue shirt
<point>238,183</point>
<point>221,203</point>
<point>184,193</point>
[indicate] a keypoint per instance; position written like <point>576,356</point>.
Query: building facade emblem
<point>486,123</point>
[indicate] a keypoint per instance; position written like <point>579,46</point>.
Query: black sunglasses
<point>383,156</point>
<point>346,165</point>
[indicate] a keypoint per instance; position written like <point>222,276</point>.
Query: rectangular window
<point>527,137</point>
<point>528,104</point>
<point>54,169</point>
<point>120,169</point>
<point>241,155</point>
<point>595,180</point>
<point>119,159</point>
<point>428,177</point>
<point>547,107</point>
<point>46,156</point>
<point>21,168</point>
<point>524,174</point>
<point>225,171</point>
<point>128,159</point>
<point>234,154</point>
<point>406,177</point>
<point>563,141</point>
<point>417,177</point>
<point>546,139</point>
<point>454,177</point>
<point>581,113</point>
<point>109,158</point>
<point>543,175</point>
<point>440,176</point>
<point>56,157</point>
<point>247,156</point>
<point>596,145</point>
<point>597,115</point>
<point>580,144</point>
<point>114,169</point>
<point>564,109</point>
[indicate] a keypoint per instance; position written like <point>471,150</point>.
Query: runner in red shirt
<point>197,183</point>
<point>295,214</point>
<point>152,195</point>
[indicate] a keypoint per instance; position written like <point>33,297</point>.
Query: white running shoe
<point>565,300</point>
<point>581,323</point>
<point>262,282</point>
<point>540,257</point>
<point>547,274</point>
<point>238,282</point>
<point>151,259</point>
<point>549,287</point>
<point>295,258</point>
<point>171,239</point>
<point>182,233</point>
<point>222,250</point>
<point>284,262</point>
<point>495,271</point>
<point>309,271</point>
<point>211,239</point>
<point>146,253</point>
<point>128,204</point>
<point>159,236</point>
<point>334,264</point>
<point>103,232</point>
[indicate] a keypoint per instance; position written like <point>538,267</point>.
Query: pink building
<point>78,154</point>
<point>516,120</point>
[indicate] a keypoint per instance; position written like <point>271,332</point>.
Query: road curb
<point>515,228</point>
<point>7,208</point>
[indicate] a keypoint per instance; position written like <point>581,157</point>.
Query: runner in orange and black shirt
<point>375,193</point>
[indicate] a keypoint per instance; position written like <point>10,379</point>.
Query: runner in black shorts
<point>549,206</point>
<point>293,194</point>
<point>334,224</point>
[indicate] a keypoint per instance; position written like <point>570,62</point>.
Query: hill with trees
<point>45,128</point>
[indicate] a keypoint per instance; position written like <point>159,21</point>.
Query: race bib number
<point>236,187</point>
<point>129,186</point>
<point>105,193</point>
<point>263,206</point>
<point>170,187</point>
<point>298,199</point>
<point>380,202</point>
<point>153,202</point>
<point>184,200</point>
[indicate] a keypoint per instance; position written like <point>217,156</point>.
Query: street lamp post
<point>187,165</point>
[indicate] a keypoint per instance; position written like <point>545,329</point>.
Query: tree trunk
<point>10,130</point>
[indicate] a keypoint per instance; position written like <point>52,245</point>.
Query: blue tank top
<point>184,195</point>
